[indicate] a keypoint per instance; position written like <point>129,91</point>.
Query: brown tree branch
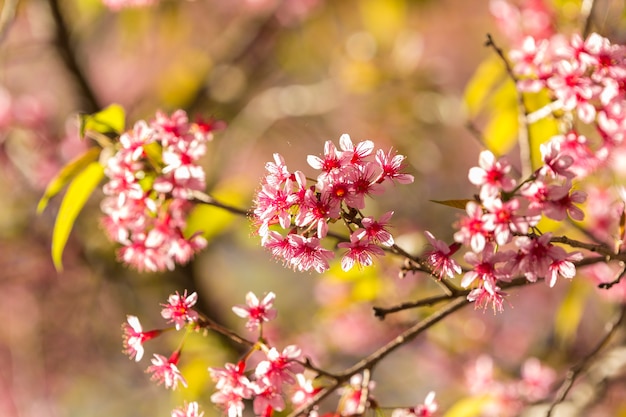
<point>67,51</point>
<point>581,366</point>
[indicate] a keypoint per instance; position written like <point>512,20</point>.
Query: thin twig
<point>373,359</point>
<point>523,131</point>
<point>207,323</point>
<point>382,312</point>
<point>581,366</point>
<point>592,247</point>
<point>204,198</point>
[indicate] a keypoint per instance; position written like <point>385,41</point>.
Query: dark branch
<point>67,52</point>
<point>581,366</point>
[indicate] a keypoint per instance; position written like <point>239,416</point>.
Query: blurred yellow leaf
<point>501,132</point>
<point>487,76</point>
<point>112,119</point>
<point>210,220</point>
<point>66,174</point>
<point>459,204</point>
<point>468,407</point>
<point>570,312</point>
<point>183,79</point>
<point>75,198</point>
<point>384,19</point>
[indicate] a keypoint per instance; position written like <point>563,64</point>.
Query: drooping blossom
<point>439,258</point>
<point>134,337</point>
<point>360,252</point>
<point>178,309</point>
<point>427,409</point>
<point>188,410</point>
<point>164,371</point>
<point>257,312</point>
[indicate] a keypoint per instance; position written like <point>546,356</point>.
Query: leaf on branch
<point>459,204</point>
<point>67,173</point>
<point>74,200</point>
<point>109,120</point>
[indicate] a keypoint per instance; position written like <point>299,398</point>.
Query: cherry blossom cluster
<point>499,227</point>
<point>508,398</point>
<point>151,180</point>
<point>164,369</point>
<point>291,202</point>
<point>585,79</point>
<point>269,378</point>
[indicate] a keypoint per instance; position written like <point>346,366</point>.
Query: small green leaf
<point>67,173</point>
<point>75,198</point>
<point>108,120</point>
<point>460,204</point>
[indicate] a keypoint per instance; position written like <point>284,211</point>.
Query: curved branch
<point>373,359</point>
<point>67,52</point>
<point>581,366</point>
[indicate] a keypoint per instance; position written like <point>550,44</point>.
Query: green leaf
<point>485,79</point>
<point>108,120</point>
<point>67,173</point>
<point>459,204</point>
<point>468,407</point>
<point>75,198</point>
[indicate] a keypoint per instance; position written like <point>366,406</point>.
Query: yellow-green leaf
<point>468,407</point>
<point>75,198</point>
<point>570,311</point>
<point>66,174</point>
<point>109,120</point>
<point>486,77</point>
<point>459,204</point>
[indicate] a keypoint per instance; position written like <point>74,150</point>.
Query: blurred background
<point>285,76</point>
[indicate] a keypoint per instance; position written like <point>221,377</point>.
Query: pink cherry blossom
<point>537,380</point>
<point>134,337</point>
<point>279,367</point>
<point>360,252</point>
<point>257,312</point>
<point>392,166</point>
<point>439,257</point>
<point>304,390</point>
<point>427,409</point>
<point>178,309</point>
<point>164,371</point>
<point>491,176</point>
<point>376,230</point>
<point>188,410</point>
<point>472,231</point>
